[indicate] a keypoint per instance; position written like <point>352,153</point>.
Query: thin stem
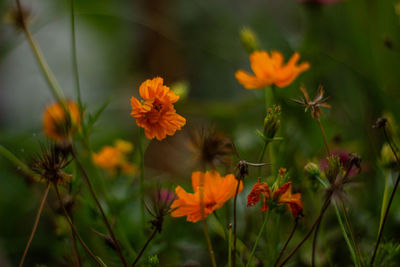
<point>209,245</point>
<point>11,157</point>
<point>324,136</point>
<point>75,247</point>
<point>141,158</point>
<point>96,200</point>
<point>261,157</point>
<point>94,257</point>
<point>323,210</point>
<point>287,242</point>
<point>345,235</point>
<point>235,223</point>
<point>230,246</point>
<point>39,213</point>
<point>390,199</point>
<point>47,73</point>
<point>258,239</point>
<point>353,236</point>
<point>145,246</point>
<point>314,244</point>
<point>75,58</point>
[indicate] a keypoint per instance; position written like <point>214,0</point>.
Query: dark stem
<point>107,223</point>
<point>235,224</point>
<point>144,247</point>
<point>324,208</point>
<point>314,244</point>
<point>324,136</point>
<point>390,199</point>
<point>76,254</point>
<point>94,257</point>
<point>39,213</point>
<point>287,242</point>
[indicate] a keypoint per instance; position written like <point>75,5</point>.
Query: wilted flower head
<point>155,113</point>
<point>115,158</point>
<point>160,206</point>
<point>216,190</point>
<point>270,70</point>
<point>17,17</point>
<point>211,148</point>
<point>281,196</point>
<point>49,164</point>
<point>338,173</point>
<point>60,122</point>
<point>344,158</point>
<point>315,104</point>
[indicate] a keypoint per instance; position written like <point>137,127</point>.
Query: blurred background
<point>353,47</point>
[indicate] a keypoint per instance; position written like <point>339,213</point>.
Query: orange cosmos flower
<point>155,113</point>
<point>58,123</point>
<point>113,158</point>
<point>283,195</point>
<point>216,191</point>
<point>270,70</point>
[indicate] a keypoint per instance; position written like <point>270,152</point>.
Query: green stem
<point>342,227</point>
<point>47,73</point>
<point>11,157</point>
<point>261,157</point>
<point>75,59</point>
<point>230,246</point>
<point>385,197</point>
<point>209,245</point>
<point>258,239</point>
<point>141,157</point>
<point>344,232</point>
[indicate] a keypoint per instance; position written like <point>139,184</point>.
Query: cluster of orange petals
<point>61,122</point>
<point>283,195</point>
<point>210,187</point>
<point>270,69</point>
<point>114,158</point>
<point>155,113</point>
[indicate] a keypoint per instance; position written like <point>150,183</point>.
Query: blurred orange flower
<point>270,70</point>
<point>216,189</point>
<point>155,113</point>
<point>114,158</point>
<point>282,195</point>
<point>60,124</point>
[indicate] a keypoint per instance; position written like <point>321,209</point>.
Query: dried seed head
<point>380,123</point>
<point>159,206</point>
<point>18,18</point>
<point>211,148</point>
<point>49,164</point>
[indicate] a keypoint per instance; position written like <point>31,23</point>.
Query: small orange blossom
<point>57,124</point>
<point>270,69</point>
<point>216,189</point>
<point>155,113</point>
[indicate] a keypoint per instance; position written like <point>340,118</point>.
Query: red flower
<point>282,195</point>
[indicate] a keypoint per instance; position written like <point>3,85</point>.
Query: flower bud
<point>272,122</point>
<point>249,40</point>
<point>334,168</point>
<point>312,169</point>
<point>181,89</point>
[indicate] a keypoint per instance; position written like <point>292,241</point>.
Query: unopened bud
<point>334,168</point>
<point>181,89</point>
<point>249,40</point>
<point>272,121</point>
<point>312,169</point>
